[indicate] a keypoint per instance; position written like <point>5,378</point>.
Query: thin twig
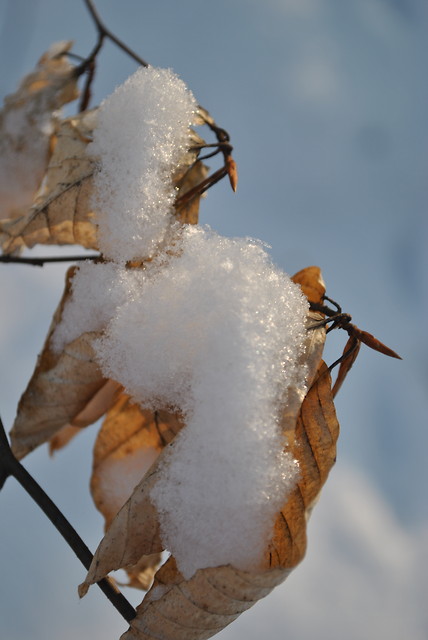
<point>10,466</point>
<point>104,32</point>
<point>201,187</point>
<point>39,262</point>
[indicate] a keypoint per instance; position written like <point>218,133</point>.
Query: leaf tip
<point>82,589</point>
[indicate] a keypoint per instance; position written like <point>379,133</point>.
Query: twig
<point>10,466</point>
<point>200,188</point>
<point>106,33</point>
<point>39,262</point>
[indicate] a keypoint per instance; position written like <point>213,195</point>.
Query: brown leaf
<point>352,348</point>
<point>314,447</point>
<point>62,212</point>
<point>311,282</point>
<point>198,608</point>
<point>26,125</point>
<point>133,533</point>
<point>128,442</point>
<point>178,609</point>
<point>61,389</point>
<point>92,411</point>
<point>188,210</point>
<point>63,437</point>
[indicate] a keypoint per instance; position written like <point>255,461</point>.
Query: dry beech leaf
<point>27,122</point>
<point>128,442</point>
<point>63,437</point>
<point>133,533</point>
<point>135,530</point>
<point>202,116</point>
<point>61,389</point>
<point>61,213</point>
<point>311,282</point>
<point>346,365</point>
<point>198,608</point>
<point>92,411</point>
<point>188,212</point>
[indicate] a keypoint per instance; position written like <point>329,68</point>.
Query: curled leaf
<point>64,387</point>
<point>198,608</point>
<point>62,211</point>
<point>27,121</point>
<point>311,282</point>
<point>127,444</point>
<point>133,533</point>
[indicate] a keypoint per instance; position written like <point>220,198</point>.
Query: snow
<point>208,327</point>
<point>97,290</point>
<point>142,134</point>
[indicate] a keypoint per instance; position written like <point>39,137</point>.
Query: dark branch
<point>39,262</point>
<point>103,32</point>
<point>10,466</point>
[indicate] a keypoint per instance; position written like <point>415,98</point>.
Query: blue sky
<point>326,105</point>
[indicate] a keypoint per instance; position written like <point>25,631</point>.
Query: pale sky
<point>326,105</point>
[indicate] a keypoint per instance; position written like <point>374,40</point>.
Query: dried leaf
<point>311,282</point>
<point>61,389</point>
<point>63,437</point>
<point>128,442</point>
<point>26,124</point>
<point>314,447</point>
<point>202,116</point>
<point>352,348</point>
<point>93,410</point>
<point>188,211</point>
<point>195,609</point>
<point>133,533</point>
<point>61,213</point>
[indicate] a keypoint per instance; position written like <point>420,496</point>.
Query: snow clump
<point>142,133</point>
<point>209,327</point>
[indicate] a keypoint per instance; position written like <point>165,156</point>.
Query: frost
<point>142,133</point>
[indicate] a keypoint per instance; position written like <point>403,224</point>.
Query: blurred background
<point>326,104</point>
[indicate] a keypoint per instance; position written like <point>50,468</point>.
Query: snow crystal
<point>143,132</point>
<point>216,333</point>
